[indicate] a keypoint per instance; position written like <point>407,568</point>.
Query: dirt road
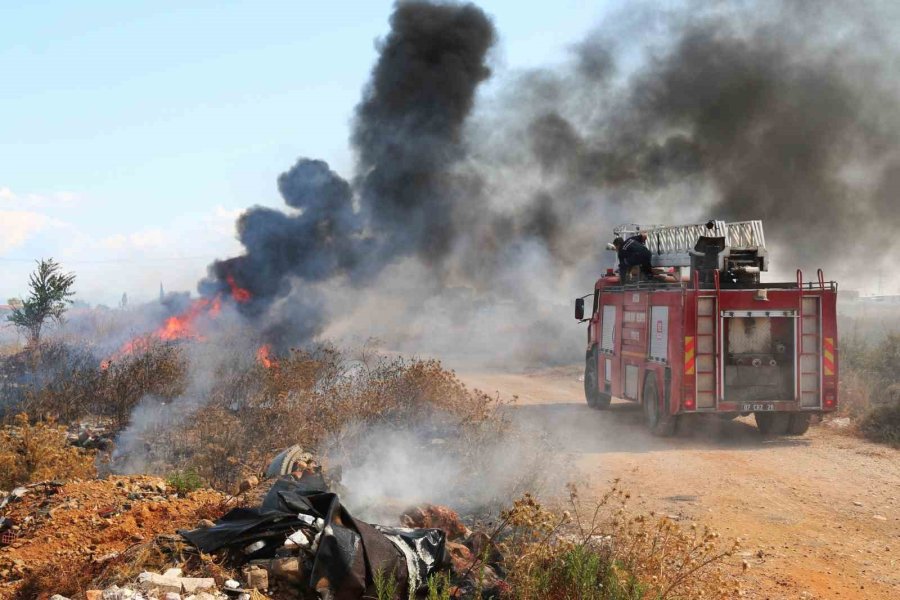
<point>817,516</point>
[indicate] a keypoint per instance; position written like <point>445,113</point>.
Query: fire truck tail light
<point>829,400</point>
<point>689,403</point>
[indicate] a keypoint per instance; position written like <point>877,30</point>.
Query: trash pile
<point>95,434</point>
<point>133,538</point>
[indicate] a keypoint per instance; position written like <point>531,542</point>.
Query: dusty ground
<point>83,527</point>
<point>817,516</point>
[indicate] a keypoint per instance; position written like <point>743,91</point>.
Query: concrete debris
<point>177,584</point>
<point>256,577</point>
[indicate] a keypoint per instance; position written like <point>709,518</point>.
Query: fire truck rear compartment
<point>758,359</point>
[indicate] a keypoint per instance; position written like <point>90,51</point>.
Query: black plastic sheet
<point>349,553</point>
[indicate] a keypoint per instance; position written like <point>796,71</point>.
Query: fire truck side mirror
<point>579,308</point>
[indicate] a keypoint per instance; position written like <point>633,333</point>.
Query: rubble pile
<point>290,538</point>
<point>86,526</point>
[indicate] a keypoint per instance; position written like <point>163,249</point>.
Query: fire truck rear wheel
<point>659,422</point>
<point>799,423</point>
<point>595,398</point>
<point>772,423</point>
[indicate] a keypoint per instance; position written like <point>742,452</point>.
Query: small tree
<point>49,297</point>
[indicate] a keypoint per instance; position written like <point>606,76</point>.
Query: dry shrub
<point>882,424</point>
<point>69,384</point>
<point>253,411</point>
<point>39,452</point>
<point>68,578</point>
<point>855,394</point>
<point>605,554</point>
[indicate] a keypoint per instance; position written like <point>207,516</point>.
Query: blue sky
<point>132,133</point>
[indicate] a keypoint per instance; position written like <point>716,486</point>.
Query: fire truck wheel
<point>771,423</point>
<point>659,422</point>
<point>799,424</point>
<point>595,398</point>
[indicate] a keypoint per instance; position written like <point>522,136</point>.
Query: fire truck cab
<point>707,336</point>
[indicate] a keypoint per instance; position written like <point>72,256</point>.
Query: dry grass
<point>39,452</point>
<point>69,384</point>
<point>251,412</point>
<point>882,424</point>
<point>604,554</point>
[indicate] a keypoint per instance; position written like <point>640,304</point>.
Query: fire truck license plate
<point>757,406</point>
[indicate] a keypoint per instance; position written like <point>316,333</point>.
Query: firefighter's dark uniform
<point>634,253</point>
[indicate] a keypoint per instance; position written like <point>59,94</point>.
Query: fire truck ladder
<point>673,245</point>
<point>809,330</point>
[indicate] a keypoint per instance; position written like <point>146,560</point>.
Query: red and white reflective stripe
<point>689,355</point>
<point>828,355</point>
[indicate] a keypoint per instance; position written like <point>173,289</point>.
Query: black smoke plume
<point>781,111</point>
<point>408,136</point>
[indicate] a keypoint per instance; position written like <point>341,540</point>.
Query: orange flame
<point>239,294</point>
<point>264,356</point>
<point>177,327</point>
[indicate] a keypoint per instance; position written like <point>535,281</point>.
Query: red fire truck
<point>705,335</point>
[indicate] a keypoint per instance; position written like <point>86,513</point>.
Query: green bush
<point>185,482</point>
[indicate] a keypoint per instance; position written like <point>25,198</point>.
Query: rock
<point>58,597</point>
<point>232,584</point>
<point>857,503</point>
<point>256,577</point>
<point>286,569</point>
<point>249,483</point>
<point>175,584</point>
<point>879,517</point>
<point>205,524</point>
<point>173,572</point>
<point>172,596</point>
<point>93,595</point>
<point>297,539</point>
<point>839,423</point>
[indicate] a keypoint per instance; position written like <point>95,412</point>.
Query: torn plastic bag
<point>349,552</point>
<point>423,549</point>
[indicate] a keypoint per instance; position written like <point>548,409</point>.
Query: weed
<point>439,587</point>
<point>603,554</point>
<point>386,586</point>
<point>37,452</point>
<point>184,482</point>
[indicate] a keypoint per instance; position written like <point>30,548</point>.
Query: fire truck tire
<point>659,422</point>
<point>772,423</point>
<point>595,398</point>
<point>799,424</point>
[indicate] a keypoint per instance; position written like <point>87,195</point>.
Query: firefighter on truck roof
<point>633,253</point>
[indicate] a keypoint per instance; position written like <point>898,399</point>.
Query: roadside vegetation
<point>598,550</point>
<point>870,387</point>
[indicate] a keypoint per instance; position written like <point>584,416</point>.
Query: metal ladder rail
<point>809,353</point>
<point>705,352</point>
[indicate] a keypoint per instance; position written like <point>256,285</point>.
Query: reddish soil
<point>817,516</point>
<point>79,526</point>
